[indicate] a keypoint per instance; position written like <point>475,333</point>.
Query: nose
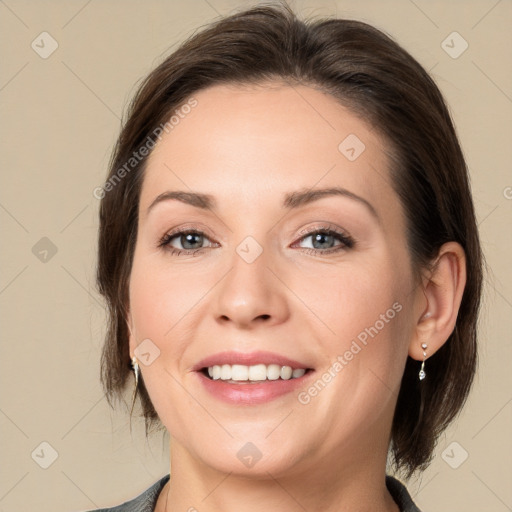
<point>251,295</point>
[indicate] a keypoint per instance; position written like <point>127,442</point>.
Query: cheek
<point>356,298</point>
<point>165,305</point>
<point>160,299</point>
<point>365,357</point>
<point>366,311</point>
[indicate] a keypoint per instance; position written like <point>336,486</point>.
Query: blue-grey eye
<point>191,240</point>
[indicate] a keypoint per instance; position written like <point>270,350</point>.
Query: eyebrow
<point>291,200</point>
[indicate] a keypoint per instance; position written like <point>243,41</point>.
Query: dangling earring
<point>422,373</point>
<point>135,366</point>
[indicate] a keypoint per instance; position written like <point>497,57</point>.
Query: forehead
<point>250,144</point>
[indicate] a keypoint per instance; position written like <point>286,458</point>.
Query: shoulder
<point>401,495</point>
<point>144,502</point>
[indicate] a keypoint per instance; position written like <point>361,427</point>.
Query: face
<point>291,262</point>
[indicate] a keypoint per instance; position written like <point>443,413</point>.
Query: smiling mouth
<point>258,373</point>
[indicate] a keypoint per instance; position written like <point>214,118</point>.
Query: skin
<point>248,147</point>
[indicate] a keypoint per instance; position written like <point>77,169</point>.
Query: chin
<point>254,458</point>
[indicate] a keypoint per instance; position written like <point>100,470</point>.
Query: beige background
<point>59,119</point>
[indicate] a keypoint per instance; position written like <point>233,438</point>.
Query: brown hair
<point>373,76</point>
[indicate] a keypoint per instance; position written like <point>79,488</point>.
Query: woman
<point>290,257</point>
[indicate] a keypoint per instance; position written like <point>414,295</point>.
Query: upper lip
<point>248,359</point>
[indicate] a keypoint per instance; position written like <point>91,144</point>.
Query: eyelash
<point>347,242</point>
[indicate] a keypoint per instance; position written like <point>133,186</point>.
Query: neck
<point>345,483</point>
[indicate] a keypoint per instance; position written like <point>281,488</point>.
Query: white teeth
<point>239,372</point>
<point>273,372</point>
<point>257,372</point>
<point>225,372</point>
<point>286,372</point>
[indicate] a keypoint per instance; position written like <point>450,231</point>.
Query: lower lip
<point>251,393</point>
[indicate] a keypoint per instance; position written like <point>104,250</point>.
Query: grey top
<point>146,501</point>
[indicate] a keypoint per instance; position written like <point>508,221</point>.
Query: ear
<point>443,291</point>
